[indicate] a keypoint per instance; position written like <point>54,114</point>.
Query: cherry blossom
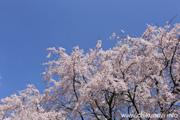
<point>136,75</point>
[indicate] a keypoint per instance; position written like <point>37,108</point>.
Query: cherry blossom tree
<point>137,75</point>
<point>27,106</point>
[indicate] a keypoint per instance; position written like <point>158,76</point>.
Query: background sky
<point>28,27</point>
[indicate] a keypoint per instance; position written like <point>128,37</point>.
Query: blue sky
<point>28,27</point>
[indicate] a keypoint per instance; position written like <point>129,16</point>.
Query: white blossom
<point>137,75</point>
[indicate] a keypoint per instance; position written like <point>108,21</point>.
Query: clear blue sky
<point>28,27</point>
